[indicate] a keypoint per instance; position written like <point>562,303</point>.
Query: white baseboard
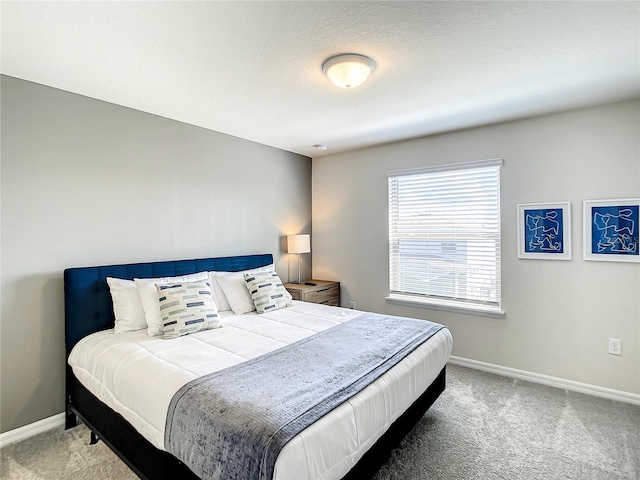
<point>22,433</point>
<point>595,390</point>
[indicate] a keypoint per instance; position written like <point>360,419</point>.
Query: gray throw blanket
<point>233,423</point>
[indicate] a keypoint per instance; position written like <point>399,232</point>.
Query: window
<point>444,236</point>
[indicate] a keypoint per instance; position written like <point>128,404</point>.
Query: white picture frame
<point>544,231</point>
<point>611,230</point>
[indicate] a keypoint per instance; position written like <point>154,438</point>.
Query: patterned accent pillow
<point>149,297</point>
<point>186,307</point>
<point>267,291</point>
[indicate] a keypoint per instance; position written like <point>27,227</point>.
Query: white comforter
<point>137,375</point>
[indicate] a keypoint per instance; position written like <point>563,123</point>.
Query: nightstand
<point>325,292</point>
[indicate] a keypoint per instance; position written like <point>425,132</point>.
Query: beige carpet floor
<point>483,427</point>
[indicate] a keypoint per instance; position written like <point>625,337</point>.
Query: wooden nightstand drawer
<point>295,294</point>
<point>324,292</point>
<point>326,295</point>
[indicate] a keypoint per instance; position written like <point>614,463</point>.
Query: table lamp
<point>298,244</point>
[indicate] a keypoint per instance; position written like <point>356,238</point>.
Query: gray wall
<point>89,183</point>
<point>559,314</point>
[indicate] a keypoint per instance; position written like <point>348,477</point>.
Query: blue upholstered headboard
<point>87,301</point>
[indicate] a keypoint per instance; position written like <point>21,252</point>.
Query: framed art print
<point>611,230</point>
<point>544,231</point>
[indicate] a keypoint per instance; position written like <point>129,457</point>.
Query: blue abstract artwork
<point>543,231</point>
<point>614,230</point>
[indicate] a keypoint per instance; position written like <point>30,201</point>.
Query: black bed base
<point>380,452</point>
<point>119,435</point>
<point>150,463</point>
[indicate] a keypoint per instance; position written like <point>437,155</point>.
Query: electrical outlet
<point>352,305</point>
<point>615,346</point>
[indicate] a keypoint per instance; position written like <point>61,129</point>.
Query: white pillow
<point>267,291</point>
<point>149,297</point>
<point>127,306</point>
<point>235,290</point>
<point>186,307</point>
<point>218,293</point>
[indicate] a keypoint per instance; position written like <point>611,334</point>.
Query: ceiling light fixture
<point>348,70</point>
<point>319,146</point>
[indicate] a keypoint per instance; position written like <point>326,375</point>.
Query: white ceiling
<point>253,69</point>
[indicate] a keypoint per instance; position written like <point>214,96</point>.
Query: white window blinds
<point>444,234</point>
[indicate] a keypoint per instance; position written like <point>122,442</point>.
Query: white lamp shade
<point>349,70</point>
<point>299,243</point>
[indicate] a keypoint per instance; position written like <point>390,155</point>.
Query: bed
<point>334,446</point>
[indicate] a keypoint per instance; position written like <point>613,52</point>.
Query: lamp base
<point>297,282</point>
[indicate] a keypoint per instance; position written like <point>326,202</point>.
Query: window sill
<point>493,312</point>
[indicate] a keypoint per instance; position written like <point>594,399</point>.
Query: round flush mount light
<point>348,70</point>
<point>319,146</point>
